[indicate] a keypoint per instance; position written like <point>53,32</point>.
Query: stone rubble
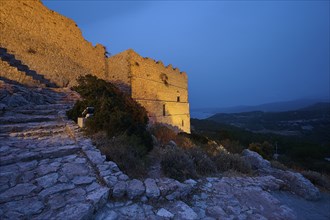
<point>49,170</point>
<point>294,182</point>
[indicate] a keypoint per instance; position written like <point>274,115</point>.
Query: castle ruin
<point>52,46</point>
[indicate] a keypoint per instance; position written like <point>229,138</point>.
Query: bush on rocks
<point>124,151</point>
<point>116,113</point>
<point>225,162</point>
<point>177,164</point>
<point>204,165</point>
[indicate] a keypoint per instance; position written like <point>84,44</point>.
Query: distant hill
<point>312,122</point>
<point>202,113</point>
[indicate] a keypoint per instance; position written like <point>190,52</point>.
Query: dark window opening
<point>182,123</point>
<point>164,110</point>
<point>178,99</point>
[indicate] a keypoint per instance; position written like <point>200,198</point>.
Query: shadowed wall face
<point>163,91</point>
<point>48,42</point>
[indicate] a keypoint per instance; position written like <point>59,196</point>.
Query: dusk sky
<point>234,52</point>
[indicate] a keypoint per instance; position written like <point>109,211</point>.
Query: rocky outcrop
<point>214,198</point>
<point>294,182</point>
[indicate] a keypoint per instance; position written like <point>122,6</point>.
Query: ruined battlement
<point>169,67</point>
<point>48,42</point>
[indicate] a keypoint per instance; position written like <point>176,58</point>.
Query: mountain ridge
<point>266,107</point>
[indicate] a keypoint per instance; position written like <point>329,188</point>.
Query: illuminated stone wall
<point>163,91</point>
<point>48,42</point>
<point>11,73</point>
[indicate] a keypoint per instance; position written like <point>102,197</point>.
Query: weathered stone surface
<point>106,214</point>
<point>56,188</point>
<point>47,180</point>
<point>298,184</point>
<point>191,182</point>
<point>164,213</point>
<point>75,211</point>
<point>95,156</point>
<point>79,180</point>
<point>43,173</point>
<point>294,182</point>
<point>215,211</point>
<point>183,211</point>
<point>111,181</point>
<point>132,211</point>
<point>27,207</point>
<point>56,201</point>
<point>119,189</point>
<point>98,197</point>
<point>18,190</point>
<point>71,170</point>
<point>255,160</point>
<point>152,190</point>
<point>135,188</point>
<point>123,177</point>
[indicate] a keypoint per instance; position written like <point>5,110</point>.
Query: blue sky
<point>234,52</point>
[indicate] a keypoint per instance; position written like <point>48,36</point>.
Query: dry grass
<point>317,179</point>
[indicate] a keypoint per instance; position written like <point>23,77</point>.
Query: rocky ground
<point>49,170</point>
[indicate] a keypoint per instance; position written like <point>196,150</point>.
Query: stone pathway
<point>46,170</point>
<point>214,198</point>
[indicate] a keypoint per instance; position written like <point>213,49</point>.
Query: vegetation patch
<point>121,119</point>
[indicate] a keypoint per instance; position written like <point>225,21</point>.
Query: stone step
<point>37,143</point>
<point>31,126</point>
<point>57,106</point>
<point>36,112</point>
<point>39,133</point>
<point>24,119</point>
<point>53,152</point>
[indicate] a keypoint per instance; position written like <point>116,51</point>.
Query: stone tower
<point>163,91</point>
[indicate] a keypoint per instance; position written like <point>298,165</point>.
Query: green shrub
<point>177,164</point>
<point>125,151</point>
<point>116,113</point>
<point>204,165</point>
<point>226,161</point>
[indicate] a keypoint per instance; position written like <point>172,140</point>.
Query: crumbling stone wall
<point>48,42</point>
<point>163,91</point>
<point>118,71</point>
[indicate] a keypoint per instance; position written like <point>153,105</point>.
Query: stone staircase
<point>44,170</point>
<point>24,69</point>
